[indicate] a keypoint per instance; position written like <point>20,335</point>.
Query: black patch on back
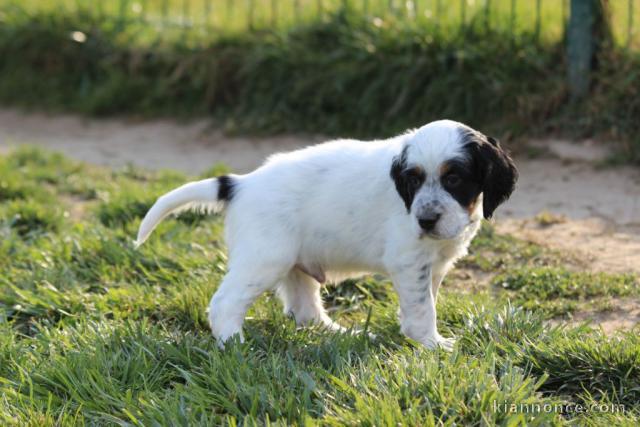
<point>226,188</point>
<point>496,172</point>
<point>407,180</point>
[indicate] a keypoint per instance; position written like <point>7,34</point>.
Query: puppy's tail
<point>209,195</point>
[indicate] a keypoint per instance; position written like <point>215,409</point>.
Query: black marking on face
<point>462,181</point>
<point>496,172</point>
<point>407,180</point>
<point>226,188</point>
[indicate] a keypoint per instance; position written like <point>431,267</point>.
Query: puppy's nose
<point>428,221</point>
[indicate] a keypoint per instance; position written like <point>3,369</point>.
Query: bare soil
<point>623,315</point>
<point>565,200</point>
<point>191,147</point>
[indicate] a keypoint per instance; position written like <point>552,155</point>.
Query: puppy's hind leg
<point>239,289</point>
<point>300,295</point>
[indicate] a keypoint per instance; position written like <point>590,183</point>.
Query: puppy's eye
<point>414,178</point>
<point>414,181</point>
<point>452,180</point>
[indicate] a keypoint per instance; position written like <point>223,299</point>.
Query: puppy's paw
<point>334,327</point>
<point>223,342</point>
<point>439,341</point>
<point>337,328</point>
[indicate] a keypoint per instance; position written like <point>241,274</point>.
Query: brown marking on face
<point>444,168</point>
<point>417,171</point>
<point>472,206</point>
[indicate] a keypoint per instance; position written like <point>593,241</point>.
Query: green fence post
<point>564,18</point>
<point>165,13</point>
<point>207,13</point>
<point>122,14</point>
<point>629,23</point>
<point>582,42</point>
<point>228,12</point>
<point>487,16</point>
<point>538,18</point>
<point>185,15</point>
<point>274,14</point>
<point>250,10</point>
<point>580,46</point>
<point>296,11</point>
<point>437,16</point>
<point>512,19</point>
<point>143,11</point>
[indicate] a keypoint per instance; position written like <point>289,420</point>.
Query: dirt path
<point>190,147</point>
<point>591,211</point>
<point>569,203</point>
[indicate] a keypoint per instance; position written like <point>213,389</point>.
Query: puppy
<point>406,207</point>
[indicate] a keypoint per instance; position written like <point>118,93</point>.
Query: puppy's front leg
<point>418,307</point>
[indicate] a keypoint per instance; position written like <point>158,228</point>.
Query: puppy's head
<point>449,175</point>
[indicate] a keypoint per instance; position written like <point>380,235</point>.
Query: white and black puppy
<point>406,207</point>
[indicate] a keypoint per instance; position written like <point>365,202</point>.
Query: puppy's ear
<point>493,141</point>
<point>498,172</point>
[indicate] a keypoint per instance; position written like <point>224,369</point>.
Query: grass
<point>559,291</point>
<point>93,331</point>
<point>383,73</point>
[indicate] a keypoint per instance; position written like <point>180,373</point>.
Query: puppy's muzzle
<point>428,221</point>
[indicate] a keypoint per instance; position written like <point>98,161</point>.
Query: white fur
<point>200,195</point>
<point>333,208</point>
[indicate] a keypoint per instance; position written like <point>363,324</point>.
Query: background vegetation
<point>93,331</point>
<point>334,67</point>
